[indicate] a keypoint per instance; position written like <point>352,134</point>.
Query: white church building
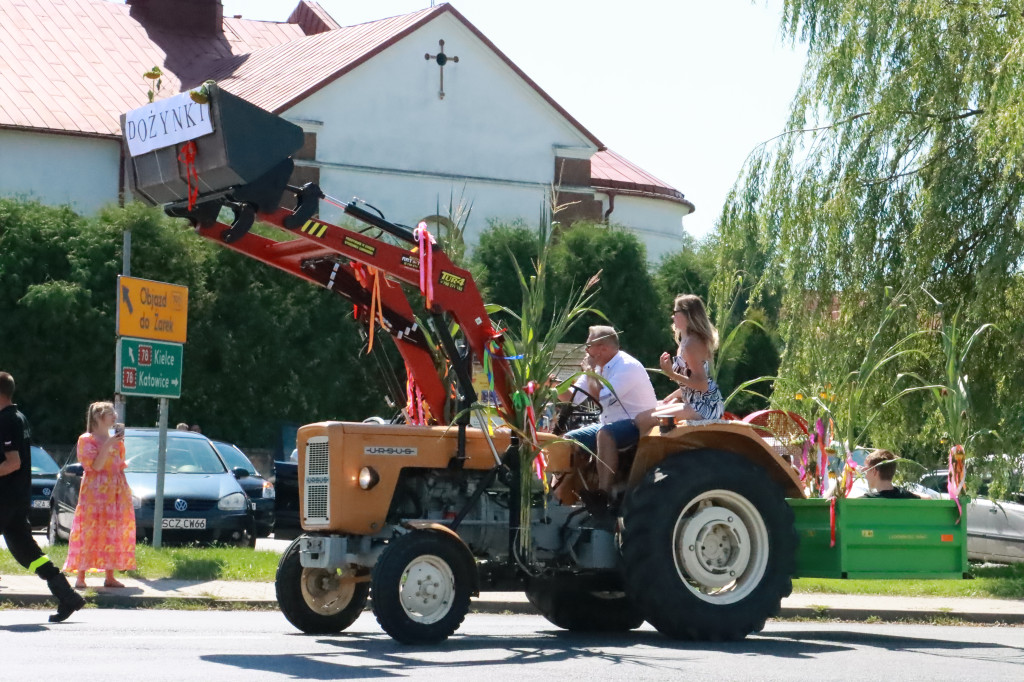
<point>393,115</point>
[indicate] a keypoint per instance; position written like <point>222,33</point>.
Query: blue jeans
<point>623,431</point>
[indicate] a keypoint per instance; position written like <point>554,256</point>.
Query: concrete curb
<point>515,607</point>
<point>896,615</point>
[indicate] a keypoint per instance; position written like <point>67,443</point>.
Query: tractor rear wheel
<point>709,546</point>
<point>317,600</point>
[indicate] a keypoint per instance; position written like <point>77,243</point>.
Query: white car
<point>995,528</point>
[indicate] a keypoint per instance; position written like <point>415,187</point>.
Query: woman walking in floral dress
<point>103,530</point>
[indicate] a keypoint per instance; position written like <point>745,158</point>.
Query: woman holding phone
<point>103,530</point>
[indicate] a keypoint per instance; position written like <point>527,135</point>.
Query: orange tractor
<point>424,517</point>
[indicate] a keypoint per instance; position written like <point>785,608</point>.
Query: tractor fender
<point>435,527</point>
<point>729,436</point>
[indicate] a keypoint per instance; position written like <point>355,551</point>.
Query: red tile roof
<point>275,78</point>
<point>611,171</point>
<point>75,66</point>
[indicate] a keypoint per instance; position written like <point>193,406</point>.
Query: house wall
<point>59,169</point>
<point>657,222</point>
<point>388,138</point>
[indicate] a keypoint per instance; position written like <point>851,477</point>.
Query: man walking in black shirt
<point>16,500</point>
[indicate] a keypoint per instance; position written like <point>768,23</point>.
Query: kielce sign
<point>166,123</point>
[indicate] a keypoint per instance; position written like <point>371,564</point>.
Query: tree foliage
<point>263,348</point>
<point>901,167</point>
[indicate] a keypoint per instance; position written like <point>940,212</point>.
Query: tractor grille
<point>317,483</point>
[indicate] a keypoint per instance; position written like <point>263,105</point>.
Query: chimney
<point>202,17</point>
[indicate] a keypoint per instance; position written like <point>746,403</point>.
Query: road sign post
<point>155,317</point>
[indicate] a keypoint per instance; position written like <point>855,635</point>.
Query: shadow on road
<point>361,655</point>
<point>888,642</point>
<point>24,628</point>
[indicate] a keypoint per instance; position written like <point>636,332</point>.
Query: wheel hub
<point>325,592</point>
<point>427,589</point>
<point>716,547</point>
<point>721,546</point>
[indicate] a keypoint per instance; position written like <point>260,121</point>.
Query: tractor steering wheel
<point>572,415</point>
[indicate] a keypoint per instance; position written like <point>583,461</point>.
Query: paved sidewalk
<point>19,589</point>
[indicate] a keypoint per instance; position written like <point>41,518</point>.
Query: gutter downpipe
<point>611,204</point>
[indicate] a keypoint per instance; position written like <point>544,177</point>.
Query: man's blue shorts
<point>623,431</point>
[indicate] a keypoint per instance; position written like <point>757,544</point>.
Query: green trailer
<point>877,538</point>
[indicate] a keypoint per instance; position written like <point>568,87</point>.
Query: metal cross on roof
<point>441,58</point>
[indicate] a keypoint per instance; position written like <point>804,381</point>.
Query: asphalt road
<point>223,646</point>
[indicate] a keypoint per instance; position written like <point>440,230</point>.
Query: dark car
<point>286,482</point>
<point>44,478</point>
<point>203,500</point>
<point>259,489</point>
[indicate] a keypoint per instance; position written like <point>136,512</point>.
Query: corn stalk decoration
<point>952,395</point>
<point>532,358</point>
<point>846,410</point>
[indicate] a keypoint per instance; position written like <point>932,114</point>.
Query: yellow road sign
<point>151,310</point>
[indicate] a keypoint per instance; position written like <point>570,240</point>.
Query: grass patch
<point>180,563</point>
<point>998,582</point>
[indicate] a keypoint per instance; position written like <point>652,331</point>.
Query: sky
<point>685,89</point>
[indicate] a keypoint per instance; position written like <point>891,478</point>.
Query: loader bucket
<point>245,158</point>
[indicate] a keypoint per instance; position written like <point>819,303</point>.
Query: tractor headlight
<point>368,477</point>
<point>232,502</point>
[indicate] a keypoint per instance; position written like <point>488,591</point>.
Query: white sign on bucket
<point>165,123</point>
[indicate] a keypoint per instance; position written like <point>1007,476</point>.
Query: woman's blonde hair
<point>697,322</point>
<point>97,410</point>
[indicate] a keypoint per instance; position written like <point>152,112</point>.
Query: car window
<point>184,455</point>
<point>934,481</point>
<point>42,463</point>
<point>234,457</point>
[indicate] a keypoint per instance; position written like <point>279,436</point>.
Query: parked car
<point>203,500</point>
<point>995,529</point>
<point>259,489</point>
<point>44,478</point>
<point>286,503</point>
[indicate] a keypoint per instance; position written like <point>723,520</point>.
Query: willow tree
<point>901,166</point>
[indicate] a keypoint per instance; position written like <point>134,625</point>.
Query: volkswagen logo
<point>180,505</point>
<point>46,492</point>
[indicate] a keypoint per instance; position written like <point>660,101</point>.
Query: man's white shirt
<point>633,393</point>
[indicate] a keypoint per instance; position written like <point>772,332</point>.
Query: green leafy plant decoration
<point>153,80</point>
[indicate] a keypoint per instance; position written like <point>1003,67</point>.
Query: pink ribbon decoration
<point>848,475</point>
<point>803,459</point>
<point>426,242</point>
<point>819,428</point>
<point>955,477</point>
<point>414,403</point>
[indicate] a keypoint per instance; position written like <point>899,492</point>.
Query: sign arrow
<point>131,354</point>
<point>126,295</point>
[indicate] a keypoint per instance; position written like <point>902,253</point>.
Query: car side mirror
<point>75,469</point>
<point>240,473</point>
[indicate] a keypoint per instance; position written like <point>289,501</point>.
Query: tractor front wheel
<point>421,587</point>
<point>318,600</point>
